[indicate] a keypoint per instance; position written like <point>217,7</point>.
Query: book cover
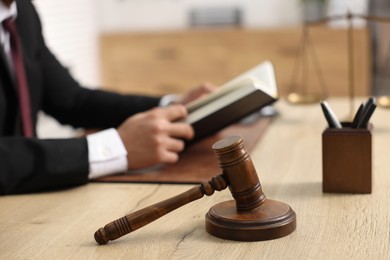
<point>243,95</point>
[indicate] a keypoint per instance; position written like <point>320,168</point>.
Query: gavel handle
<point>138,219</point>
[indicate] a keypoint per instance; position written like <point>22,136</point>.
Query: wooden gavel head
<point>250,216</point>
<point>239,172</point>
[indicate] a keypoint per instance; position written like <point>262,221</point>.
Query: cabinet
<point>171,62</point>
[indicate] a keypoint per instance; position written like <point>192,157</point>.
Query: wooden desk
<point>60,225</point>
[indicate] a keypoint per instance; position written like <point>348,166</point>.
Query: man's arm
<point>72,104</point>
<point>30,165</point>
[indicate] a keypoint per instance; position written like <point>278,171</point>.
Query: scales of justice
<point>306,50</point>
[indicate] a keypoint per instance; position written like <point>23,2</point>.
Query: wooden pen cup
<point>347,159</point>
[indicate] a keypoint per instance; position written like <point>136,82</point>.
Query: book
<point>234,100</point>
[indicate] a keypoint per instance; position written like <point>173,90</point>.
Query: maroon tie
<point>21,79</point>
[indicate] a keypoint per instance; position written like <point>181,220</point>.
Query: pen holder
<point>347,159</point>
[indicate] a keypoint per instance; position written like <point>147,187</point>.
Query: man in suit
<point>138,132</point>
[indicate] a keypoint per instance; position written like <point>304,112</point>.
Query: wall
<point>71,31</point>
<point>136,15</point>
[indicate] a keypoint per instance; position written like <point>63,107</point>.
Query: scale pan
<point>383,101</point>
<point>296,98</point>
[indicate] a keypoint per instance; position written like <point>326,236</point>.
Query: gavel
<point>249,217</point>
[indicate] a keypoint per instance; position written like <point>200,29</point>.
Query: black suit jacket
<point>28,164</point>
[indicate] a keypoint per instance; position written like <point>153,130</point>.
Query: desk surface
<point>61,224</point>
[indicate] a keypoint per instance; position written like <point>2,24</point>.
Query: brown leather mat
<point>198,162</point>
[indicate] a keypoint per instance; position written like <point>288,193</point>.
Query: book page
<point>266,74</point>
<point>263,72</point>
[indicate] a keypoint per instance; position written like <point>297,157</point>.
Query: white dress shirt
<point>106,153</point>
<point>6,13</point>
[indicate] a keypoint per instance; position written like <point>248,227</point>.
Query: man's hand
<point>197,92</point>
<point>155,136</point>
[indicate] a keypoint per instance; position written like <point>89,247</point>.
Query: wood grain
<point>172,62</point>
<point>59,225</point>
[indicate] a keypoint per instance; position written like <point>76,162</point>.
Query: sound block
<point>271,220</point>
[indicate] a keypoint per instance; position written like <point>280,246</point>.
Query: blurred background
<point>167,46</point>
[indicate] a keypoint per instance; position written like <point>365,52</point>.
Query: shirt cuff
<point>106,153</point>
<point>170,99</point>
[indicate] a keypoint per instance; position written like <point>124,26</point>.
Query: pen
<point>330,117</point>
<point>369,109</point>
<point>358,115</point>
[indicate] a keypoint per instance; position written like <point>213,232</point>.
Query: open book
<point>241,96</point>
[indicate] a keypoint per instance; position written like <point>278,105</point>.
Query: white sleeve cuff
<point>106,153</point>
<point>170,99</point>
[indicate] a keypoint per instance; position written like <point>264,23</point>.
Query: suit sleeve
<point>72,104</point>
<point>31,165</point>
